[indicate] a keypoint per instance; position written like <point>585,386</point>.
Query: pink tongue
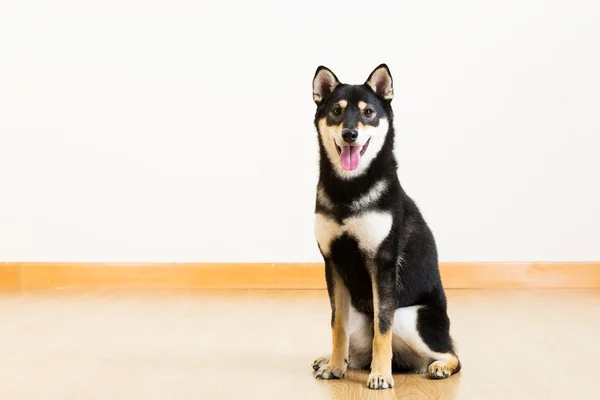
<point>350,157</point>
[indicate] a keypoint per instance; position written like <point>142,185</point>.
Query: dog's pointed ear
<point>381,82</point>
<point>324,83</point>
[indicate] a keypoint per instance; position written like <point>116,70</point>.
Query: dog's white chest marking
<point>369,229</point>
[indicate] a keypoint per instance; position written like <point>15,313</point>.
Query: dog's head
<point>353,120</point>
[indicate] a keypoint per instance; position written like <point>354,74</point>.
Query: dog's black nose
<point>349,135</point>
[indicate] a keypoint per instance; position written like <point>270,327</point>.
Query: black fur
<point>407,261</point>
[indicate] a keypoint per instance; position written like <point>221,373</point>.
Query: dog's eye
<point>337,111</point>
<point>368,112</point>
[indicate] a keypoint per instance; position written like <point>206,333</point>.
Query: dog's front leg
<point>335,366</point>
<point>384,304</point>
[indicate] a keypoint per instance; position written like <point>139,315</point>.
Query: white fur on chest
<point>369,229</point>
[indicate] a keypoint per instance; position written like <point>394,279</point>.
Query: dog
<point>388,306</point>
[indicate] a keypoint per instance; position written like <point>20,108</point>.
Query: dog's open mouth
<point>350,155</point>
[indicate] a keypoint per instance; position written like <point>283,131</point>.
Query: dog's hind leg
<point>434,328</point>
<point>335,365</point>
<point>424,329</point>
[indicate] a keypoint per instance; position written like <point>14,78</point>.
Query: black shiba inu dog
<point>387,300</point>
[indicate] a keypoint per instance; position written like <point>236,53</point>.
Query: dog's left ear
<point>381,82</point>
<point>324,83</point>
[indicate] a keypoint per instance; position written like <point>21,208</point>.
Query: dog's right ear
<point>324,83</point>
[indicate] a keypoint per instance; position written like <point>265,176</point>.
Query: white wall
<point>181,131</point>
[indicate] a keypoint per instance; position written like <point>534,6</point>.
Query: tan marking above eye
<point>362,105</point>
<point>342,103</point>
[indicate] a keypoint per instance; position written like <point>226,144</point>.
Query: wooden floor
<point>514,344</point>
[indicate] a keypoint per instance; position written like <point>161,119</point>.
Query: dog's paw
<point>380,381</point>
<point>330,371</point>
<point>319,362</point>
<point>439,370</point>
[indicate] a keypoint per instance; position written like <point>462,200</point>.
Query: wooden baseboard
<point>10,275</point>
<point>279,275</point>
